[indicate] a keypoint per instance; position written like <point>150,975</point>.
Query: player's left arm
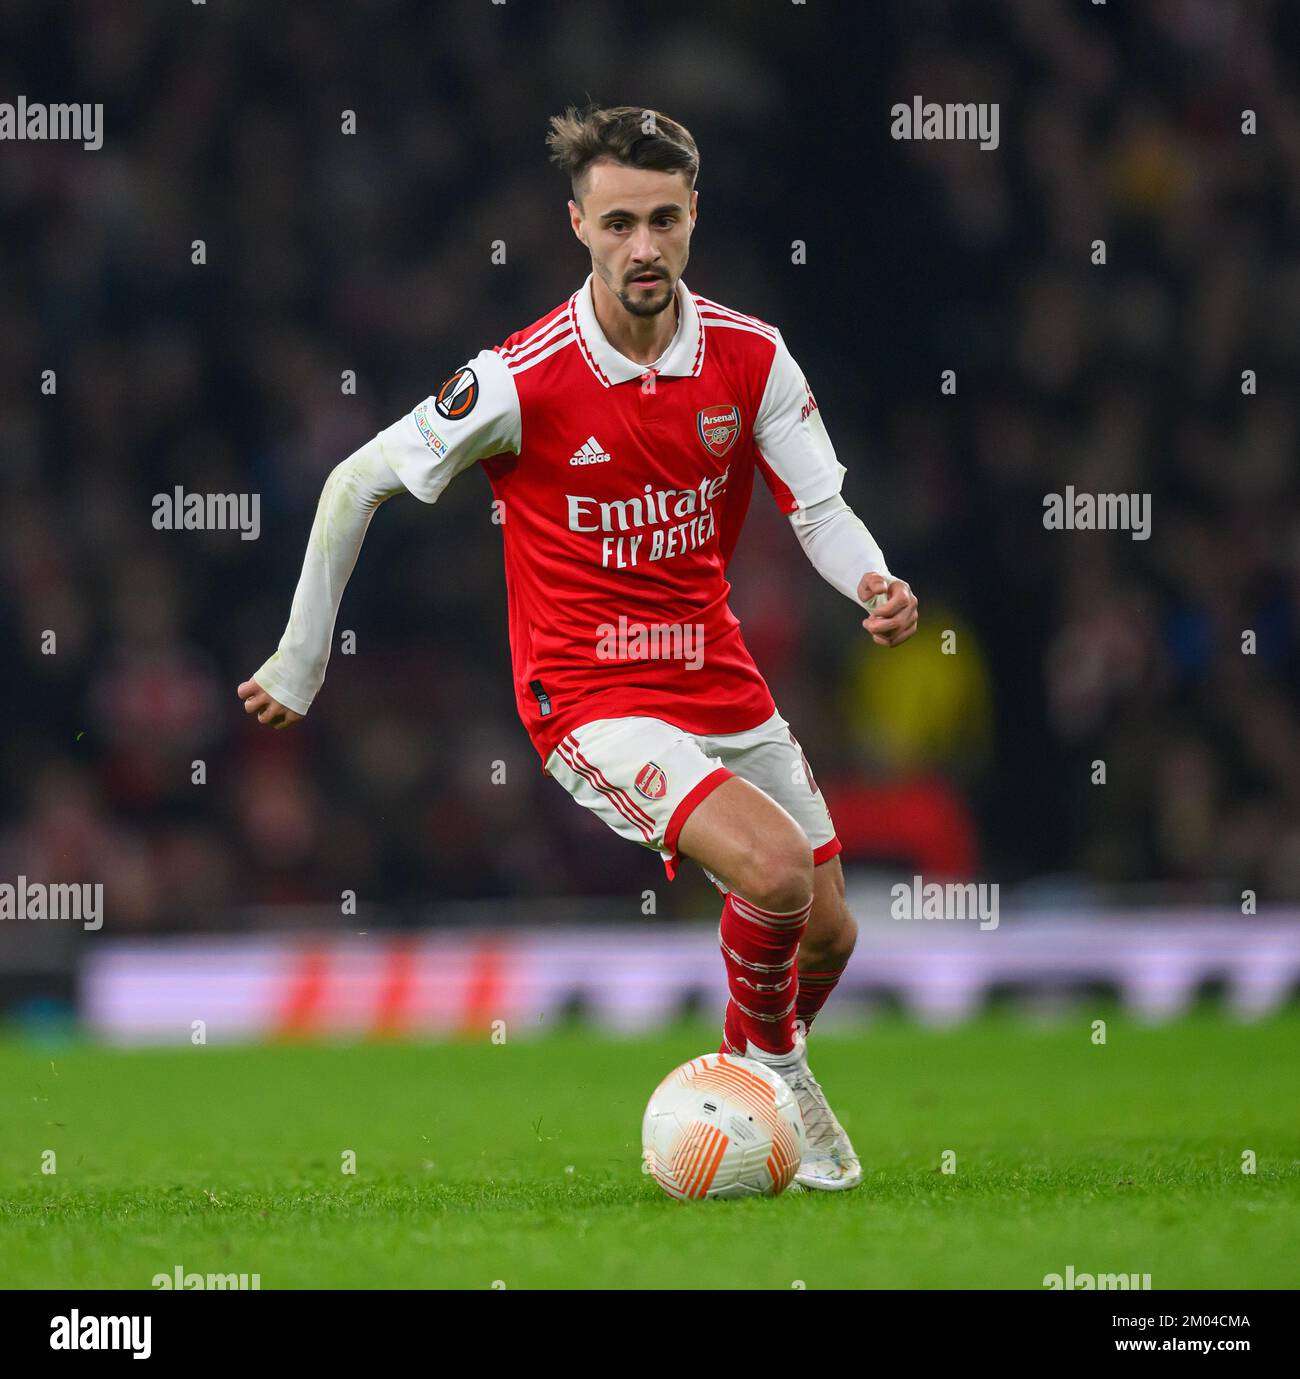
<point>798,462</point>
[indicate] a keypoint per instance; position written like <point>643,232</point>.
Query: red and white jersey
<point>621,490</point>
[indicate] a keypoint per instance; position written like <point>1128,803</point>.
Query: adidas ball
<point>722,1126</point>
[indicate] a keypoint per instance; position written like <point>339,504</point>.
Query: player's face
<point>637,224</point>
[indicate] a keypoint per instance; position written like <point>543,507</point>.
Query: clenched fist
<point>893,619</point>
<point>269,711</point>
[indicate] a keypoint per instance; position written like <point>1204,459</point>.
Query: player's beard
<point>647,303</point>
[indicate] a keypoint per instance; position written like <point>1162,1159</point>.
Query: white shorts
<point>644,777</point>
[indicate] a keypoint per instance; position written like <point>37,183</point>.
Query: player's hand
<point>893,619</point>
<point>269,711</point>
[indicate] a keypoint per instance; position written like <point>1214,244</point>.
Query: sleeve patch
<point>457,396</point>
<point>431,438</point>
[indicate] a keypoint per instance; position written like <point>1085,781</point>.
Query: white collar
<point>684,355</point>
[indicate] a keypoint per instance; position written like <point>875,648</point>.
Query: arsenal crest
<point>718,428</point>
<point>651,781</point>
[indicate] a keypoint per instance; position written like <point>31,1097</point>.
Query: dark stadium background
<point>372,252</point>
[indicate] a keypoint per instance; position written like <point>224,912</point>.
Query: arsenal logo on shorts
<point>651,781</point>
<point>718,428</point>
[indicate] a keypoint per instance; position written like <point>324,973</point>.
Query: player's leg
<point>770,758</point>
<point>824,952</point>
<point>747,841</point>
<point>742,836</point>
<point>828,941</point>
<point>655,784</point>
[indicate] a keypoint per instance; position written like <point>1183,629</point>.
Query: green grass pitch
<point>519,1162</point>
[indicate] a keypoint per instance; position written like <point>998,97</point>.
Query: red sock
<point>759,948</point>
<point>733,1036</point>
<point>814,988</point>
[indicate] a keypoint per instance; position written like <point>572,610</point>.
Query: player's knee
<point>779,874</point>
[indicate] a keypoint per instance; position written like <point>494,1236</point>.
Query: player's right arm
<point>475,414</point>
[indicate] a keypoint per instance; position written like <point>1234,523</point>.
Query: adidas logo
<point>590,452</point>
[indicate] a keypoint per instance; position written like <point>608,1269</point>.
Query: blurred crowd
<point>372,252</point>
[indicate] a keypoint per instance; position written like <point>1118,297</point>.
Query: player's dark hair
<point>626,134</point>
